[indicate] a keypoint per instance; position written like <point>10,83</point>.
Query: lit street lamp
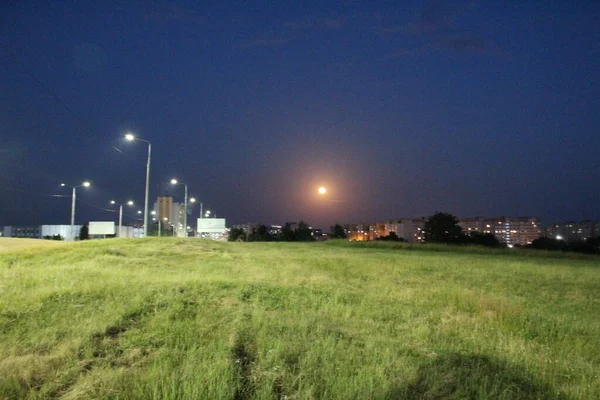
<point>129,203</point>
<point>131,138</point>
<point>160,223</point>
<point>185,203</point>
<point>74,196</point>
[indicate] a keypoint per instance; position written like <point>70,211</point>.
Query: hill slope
<point>173,318</point>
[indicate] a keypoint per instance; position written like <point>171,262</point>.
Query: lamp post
<point>129,203</point>
<point>185,202</point>
<point>192,200</point>
<point>73,198</point>
<point>131,138</point>
<point>160,223</point>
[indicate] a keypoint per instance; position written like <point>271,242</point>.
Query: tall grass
<point>176,319</point>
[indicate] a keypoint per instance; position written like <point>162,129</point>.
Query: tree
<point>287,233</point>
<point>303,232</point>
<point>546,243</point>
<point>442,228</point>
<point>260,234</point>
<point>235,234</point>
<point>84,233</point>
<point>484,239</point>
<point>337,232</point>
<point>392,237</point>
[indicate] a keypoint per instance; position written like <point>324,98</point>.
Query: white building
<point>43,231</point>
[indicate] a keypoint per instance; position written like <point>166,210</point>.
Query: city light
<point>130,137</point>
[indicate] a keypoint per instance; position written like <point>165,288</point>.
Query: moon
<point>322,190</point>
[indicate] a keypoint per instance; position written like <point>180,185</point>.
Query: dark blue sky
<point>400,108</point>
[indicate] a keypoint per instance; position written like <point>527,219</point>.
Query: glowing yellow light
<point>322,190</point>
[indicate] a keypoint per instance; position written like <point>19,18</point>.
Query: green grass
<point>11,244</point>
<point>193,319</point>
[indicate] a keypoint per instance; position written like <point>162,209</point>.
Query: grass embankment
<point>173,318</point>
<point>11,244</point>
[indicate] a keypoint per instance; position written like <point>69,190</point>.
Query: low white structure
<point>65,231</point>
<point>101,228</point>
<point>211,225</point>
<point>131,232</point>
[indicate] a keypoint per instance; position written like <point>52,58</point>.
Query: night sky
<point>401,109</point>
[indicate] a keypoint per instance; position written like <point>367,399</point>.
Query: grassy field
<point>193,319</point>
<point>10,244</point>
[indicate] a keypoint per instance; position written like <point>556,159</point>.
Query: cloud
<point>436,25</point>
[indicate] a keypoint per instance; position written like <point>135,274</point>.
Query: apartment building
<point>573,231</point>
<point>357,232</point>
<point>519,231</point>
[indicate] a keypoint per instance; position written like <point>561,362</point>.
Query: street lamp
<point>185,202</point>
<point>129,203</point>
<point>160,223</point>
<point>130,137</point>
<point>74,196</point>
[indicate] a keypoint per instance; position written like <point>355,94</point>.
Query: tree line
<point>444,228</point>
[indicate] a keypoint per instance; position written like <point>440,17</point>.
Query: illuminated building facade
<point>573,231</point>
<point>166,208</point>
<point>519,231</point>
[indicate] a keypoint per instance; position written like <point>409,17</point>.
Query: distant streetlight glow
<point>322,190</point>
<point>73,196</point>
<point>129,203</point>
<point>185,202</point>
<point>130,137</point>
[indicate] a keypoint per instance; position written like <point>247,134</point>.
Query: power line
<point>34,194</point>
<point>127,155</point>
<point>56,98</point>
<point>96,207</point>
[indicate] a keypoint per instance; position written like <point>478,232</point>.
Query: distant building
<point>573,231</point>
<point>511,231</point>
<point>170,214</point>
<point>409,229</point>
<point>357,232</point>
<point>377,231</point>
<point>43,231</point>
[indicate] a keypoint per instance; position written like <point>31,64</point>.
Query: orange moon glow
<point>322,190</point>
